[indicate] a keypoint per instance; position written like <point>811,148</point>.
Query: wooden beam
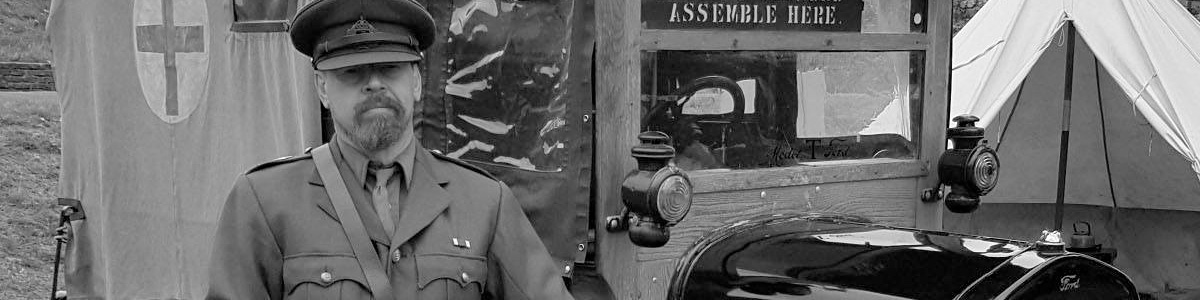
<point>617,123</point>
<point>934,116</point>
<point>780,40</point>
<point>707,181</point>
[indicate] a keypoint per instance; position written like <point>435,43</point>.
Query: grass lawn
<point>29,159</point>
<point>23,30</point>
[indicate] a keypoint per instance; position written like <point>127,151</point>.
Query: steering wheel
<point>658,112</point>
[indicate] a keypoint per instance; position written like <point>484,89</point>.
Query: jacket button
<point>396,256</point>
<point>326,277</point>
<point>465,277</point>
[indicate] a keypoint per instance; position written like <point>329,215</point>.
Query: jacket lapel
<point>370,220</point>
<point>426,199</point>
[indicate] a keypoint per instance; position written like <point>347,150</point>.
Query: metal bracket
<point>935,194</point>
<point>71,209</point>
<point>619,222</point>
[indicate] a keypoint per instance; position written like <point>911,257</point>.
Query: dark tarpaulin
<point>510,91</point>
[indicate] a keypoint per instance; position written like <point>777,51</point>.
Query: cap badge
<point>360,27</point>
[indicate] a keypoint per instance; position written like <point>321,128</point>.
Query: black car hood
<point>822,256</point>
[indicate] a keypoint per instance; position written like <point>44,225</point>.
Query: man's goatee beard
<point>377,133</point>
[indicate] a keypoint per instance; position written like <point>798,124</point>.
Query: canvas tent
<point>1131,160</point>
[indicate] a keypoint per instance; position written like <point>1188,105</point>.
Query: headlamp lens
<point>674,198</point>
<point>986,171</point>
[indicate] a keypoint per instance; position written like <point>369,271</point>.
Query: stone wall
<point>21,76</point>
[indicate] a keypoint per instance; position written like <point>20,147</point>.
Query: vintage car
<point>831,256</point>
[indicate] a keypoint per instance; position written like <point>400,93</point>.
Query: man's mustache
<point>379,101</point>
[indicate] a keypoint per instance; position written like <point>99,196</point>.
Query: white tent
<point>1135,111</point>
<point>1134,116</point>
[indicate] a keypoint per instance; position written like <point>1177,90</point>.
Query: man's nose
<point>374,84</point>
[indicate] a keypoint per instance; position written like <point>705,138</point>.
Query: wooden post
<point>618,118</point>
<point>934,115</point>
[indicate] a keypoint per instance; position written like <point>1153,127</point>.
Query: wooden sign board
<point>793,15</point>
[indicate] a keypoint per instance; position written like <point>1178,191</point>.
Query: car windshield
<point>754,109</point>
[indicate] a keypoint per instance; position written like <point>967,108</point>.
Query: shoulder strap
<point>464,164</point>
<point>276,162</point>
<point>377,280</point>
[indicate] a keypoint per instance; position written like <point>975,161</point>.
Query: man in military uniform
<point>372,214</point>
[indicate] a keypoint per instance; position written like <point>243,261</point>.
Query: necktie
<point>379,194</point>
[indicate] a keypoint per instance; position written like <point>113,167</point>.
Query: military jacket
<point>460,235</point>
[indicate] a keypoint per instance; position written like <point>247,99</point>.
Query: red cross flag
<point>163,105</point>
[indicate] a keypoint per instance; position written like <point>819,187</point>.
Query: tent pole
<point>1060,202</point>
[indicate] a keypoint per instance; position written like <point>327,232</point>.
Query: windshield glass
<point>753,109</point>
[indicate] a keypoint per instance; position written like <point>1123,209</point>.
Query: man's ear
<point>319,84</point>
<point>420,83</point>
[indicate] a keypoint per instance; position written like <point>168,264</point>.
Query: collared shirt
<point>349,156</point>
<point>358,161</point>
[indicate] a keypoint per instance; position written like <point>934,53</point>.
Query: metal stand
<point>70,210</point>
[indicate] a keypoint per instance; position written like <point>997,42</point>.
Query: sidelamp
<point>656,196</point>
<point>966,171</point>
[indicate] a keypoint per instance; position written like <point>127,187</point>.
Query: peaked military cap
<point>342,33</point>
